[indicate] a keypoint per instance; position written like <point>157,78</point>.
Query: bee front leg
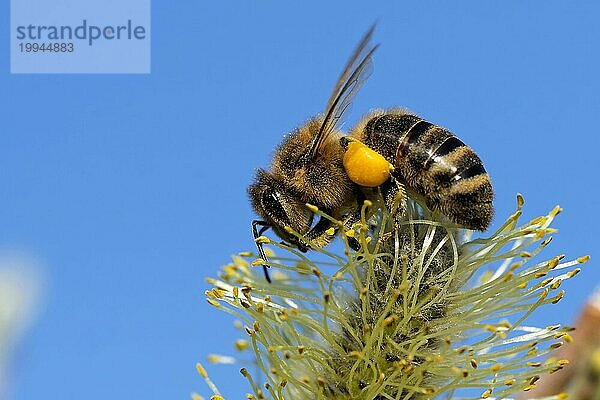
<point>257,233</point>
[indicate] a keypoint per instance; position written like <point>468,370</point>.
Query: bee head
<point>280,207</point>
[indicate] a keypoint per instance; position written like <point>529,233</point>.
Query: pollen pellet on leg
<point>365,166</point>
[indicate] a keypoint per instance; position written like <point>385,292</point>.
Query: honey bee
<point>389,150</point>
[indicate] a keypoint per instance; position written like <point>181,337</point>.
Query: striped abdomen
<point>434,163</point>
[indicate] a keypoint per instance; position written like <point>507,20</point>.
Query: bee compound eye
<point>271,201</point>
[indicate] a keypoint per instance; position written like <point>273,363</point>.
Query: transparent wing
<point>357,70</point>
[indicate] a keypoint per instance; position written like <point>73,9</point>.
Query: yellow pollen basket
<point>365,166</point>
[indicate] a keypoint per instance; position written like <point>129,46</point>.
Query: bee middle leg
<point>394,197</point>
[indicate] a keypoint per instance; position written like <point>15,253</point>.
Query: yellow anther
<point>213,302</point>
<point>245,304</point>
<point>574,272</point>
<point>312,207</point>
<point>239,261</point>
<point>516,265</point>
<point>241,344</point>
<point>532,351</point>
<point>486,394</point>
<point>213,358</point>
<point>390,320</point>
<point>545,281</point>
<point>583,259</point>
<point>355,354</point>
<point>269,253</point>
<point>350,233</point>
<point>507,276</point>
<point>555,211</point>
<point>558,297</point>
<point>330,231</point>
<point>520,200</point>
<point>201,370</point>
<point>365,166</point>
<point>553,263</point>
<point>538,220</point>
<point>284,315</point>
<point>496,367</point>
<point>263,240</point>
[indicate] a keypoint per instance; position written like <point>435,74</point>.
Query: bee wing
<point>357,70</point>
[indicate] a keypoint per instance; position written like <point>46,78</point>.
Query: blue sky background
<point>132,188</point>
